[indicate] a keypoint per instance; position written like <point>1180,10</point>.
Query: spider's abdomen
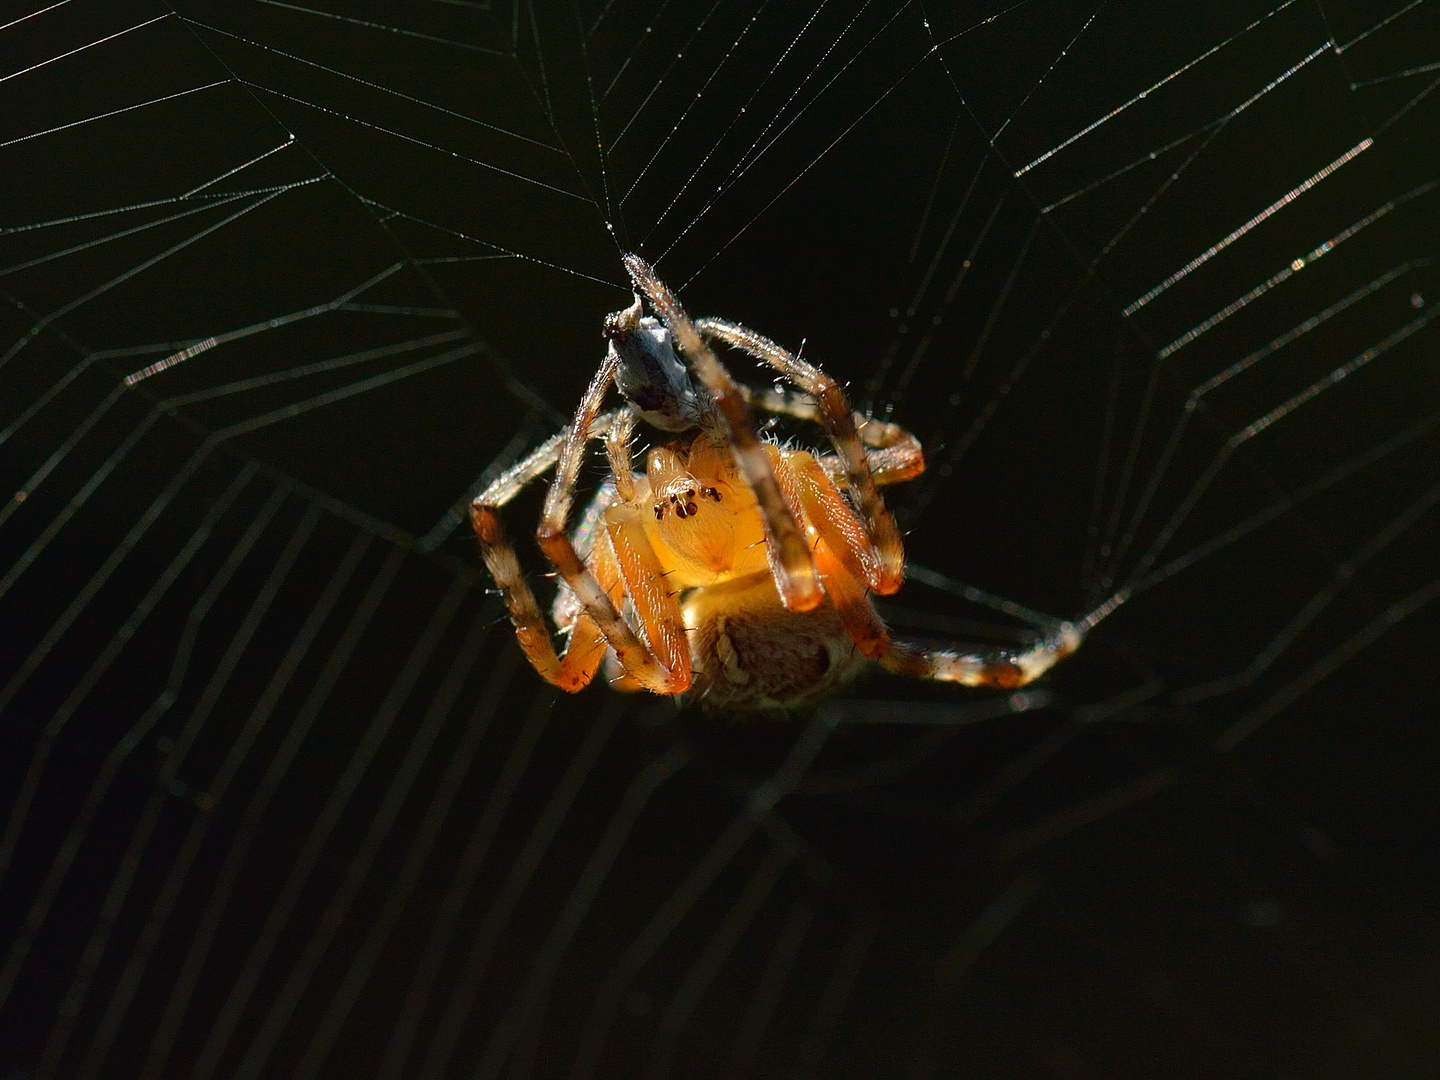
<point>749,651</point>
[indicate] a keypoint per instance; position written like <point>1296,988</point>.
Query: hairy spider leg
<point>594,598</point>
<point>617,449</point>
<point>790,562</point>
<point>657,607</point>
<point>585,647</point>
<point>892,454</point>
<point>538,462</point>
<point>833,520</point>
<point>885,565</point>
<point>841,566</point>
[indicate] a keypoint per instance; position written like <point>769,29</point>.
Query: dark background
<point>279,791</point>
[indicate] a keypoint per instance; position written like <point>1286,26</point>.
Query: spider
<point>731,568</point>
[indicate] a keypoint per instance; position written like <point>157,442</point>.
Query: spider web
<point>286,284</point>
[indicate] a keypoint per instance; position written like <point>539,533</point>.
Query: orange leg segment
<point>586,646</point>
<point>834,521</point>
<point>656,607</point>
<point>1001,670</point>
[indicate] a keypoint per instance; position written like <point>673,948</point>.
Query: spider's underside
<point>731,569</point>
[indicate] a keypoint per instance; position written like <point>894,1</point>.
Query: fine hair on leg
<point>892,454</point>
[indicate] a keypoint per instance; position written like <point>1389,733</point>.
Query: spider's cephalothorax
<point>730,568</point>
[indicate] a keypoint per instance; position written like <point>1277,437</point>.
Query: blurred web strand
<point>1211,127</point>
<point>1197,395</point>
<point>316,840</point>
<point>1322,669</point>
<point>937,714</point>
<point>720,855</point>
<point>259,716</point>
<point>460,880</point>
<point>1378,26</point>
<point>401,894</point>
<point>215,439</point>
<point>932,1048</point>
<point>1295,266</point>
<point>983,597</point>
<point>722,942</point>
<point>70,848</point>
<point>850,959</point>
<point>211,696</point>
<point>284,1004</point>
<point>190,351</point>
<point>509,454</point>
<point>134,230</point>
<point>20,808</point>
<point>502,904</point>
<point>139,268</point>
<point>1423,69</point>
<point>1348,368</point>
<point>1289,502</point>
<point>1269,419</point>
<point>229,875</point>
<point>1143,94</point>
<point>1278,205</point>
<point>770,989</point>
<point>1056,62</point>
<point>62,451</point>
<point>1316,605</point>
<point>528,1008</point>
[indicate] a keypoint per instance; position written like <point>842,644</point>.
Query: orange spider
<point>731,568</point>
